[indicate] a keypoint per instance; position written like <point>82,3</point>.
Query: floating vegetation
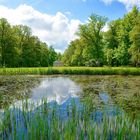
<point>123,90</point>
<point>15,88</point>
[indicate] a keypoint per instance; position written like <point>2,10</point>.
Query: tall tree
<point>23,33</point>
<point>5,34</point>
<point>111,41</point>
<point>91,33</point>
<point>19,48</point>
<point>135,47</point>
<point>52,55</point>
<point>128,23</point>
<point>117,39</point>
<point>67,56</point>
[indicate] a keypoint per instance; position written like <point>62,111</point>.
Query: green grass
<point>72,71</point>
<point>47,124</point>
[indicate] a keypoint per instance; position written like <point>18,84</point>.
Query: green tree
<point>91,33</point>
<point>23,36</point>
<point>52,56</point>
<point>67,56</point>
<point>127,25</point>
<point>19,48</point>
<point>44,55</point>
<point>77,57</point>
<point>135,47</point>
<point>117,39</point>
<point>5,35</point>
<point>111,42</point>
<point>59,56</point>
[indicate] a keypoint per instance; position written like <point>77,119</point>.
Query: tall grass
<point>71,70</point>
<point>50,123</point>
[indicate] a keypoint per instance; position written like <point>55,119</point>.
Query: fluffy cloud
<point>56,30</point>
<point>128,3</point>
<point>105,28</point>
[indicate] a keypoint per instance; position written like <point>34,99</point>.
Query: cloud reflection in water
<point>58,89</point>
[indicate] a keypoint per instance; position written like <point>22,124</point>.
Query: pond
<point>70,107</point>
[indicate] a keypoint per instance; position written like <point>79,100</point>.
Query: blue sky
<point>77,9</point>
<point>56,21</point>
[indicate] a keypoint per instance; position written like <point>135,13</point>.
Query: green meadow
<point>71,70</point>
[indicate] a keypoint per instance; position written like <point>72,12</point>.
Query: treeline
<point>119,46</point>
<point>19,48</point>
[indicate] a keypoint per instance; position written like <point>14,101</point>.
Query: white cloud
<point>68,13</point>
<point>105,28</point>
<point>128,3</point>
<point>56,30</point>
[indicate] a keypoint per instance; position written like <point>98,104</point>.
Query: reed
<point>48,122</point>
<point>71,71</point>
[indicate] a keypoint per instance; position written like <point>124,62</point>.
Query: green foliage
<point>118,39</point>
<point>89,46</point>
<point>69,53</point>
<point>52,56</point>
<point>135,47</point>
<point>109,53</point>
<point>119,46</point>
<point>19,48</point>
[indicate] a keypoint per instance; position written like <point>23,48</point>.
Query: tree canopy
<point>19,48</point>
<point>119,46</point>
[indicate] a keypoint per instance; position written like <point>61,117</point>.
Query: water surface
<point>110,96</point>
<point>103,92</point>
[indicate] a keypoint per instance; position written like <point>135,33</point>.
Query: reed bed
<point>71,71</point>
<point>52,123</point>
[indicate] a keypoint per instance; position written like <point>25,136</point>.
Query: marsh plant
<point>50,122</point>
<point>71,71</point>
<point>15,87</point>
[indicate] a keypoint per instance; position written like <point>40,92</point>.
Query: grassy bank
<point>71,70</point>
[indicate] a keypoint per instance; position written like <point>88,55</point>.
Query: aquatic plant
<point>51,123</point>
<point>15,87</point>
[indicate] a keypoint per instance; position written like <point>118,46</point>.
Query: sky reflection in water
<point>58,89</point>
<point>62,90</point>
